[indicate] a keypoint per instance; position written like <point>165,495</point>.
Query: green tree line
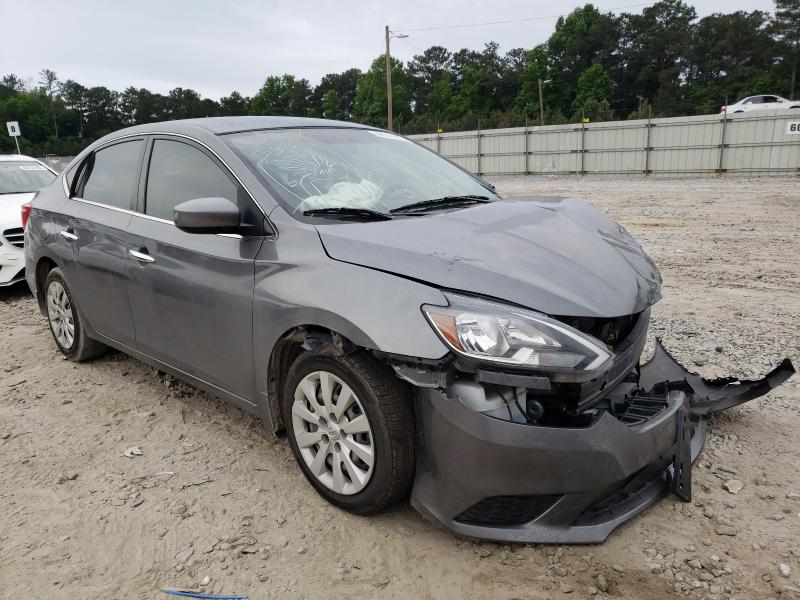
<point>662,61</point>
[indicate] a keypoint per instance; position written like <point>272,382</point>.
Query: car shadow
<point>14,292</point>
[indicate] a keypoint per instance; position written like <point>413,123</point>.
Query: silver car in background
<point>410,330</point>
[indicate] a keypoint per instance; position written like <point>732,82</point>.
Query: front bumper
<point>492,479</point>
<point>12,257</point>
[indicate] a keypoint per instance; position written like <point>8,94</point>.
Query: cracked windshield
<point>326,168</point>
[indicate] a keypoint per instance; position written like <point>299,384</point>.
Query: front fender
<point>297,284</point>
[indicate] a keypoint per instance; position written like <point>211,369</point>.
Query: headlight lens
<point>517,337</point>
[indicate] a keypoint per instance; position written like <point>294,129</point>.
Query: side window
<point>111,174</point>
<point>770,99</point>
<point>180,172</point>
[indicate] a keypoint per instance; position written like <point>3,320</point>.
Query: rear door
<point>96,217</point>
<point>191,295</point>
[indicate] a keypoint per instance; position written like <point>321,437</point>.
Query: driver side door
<point>191,295</point>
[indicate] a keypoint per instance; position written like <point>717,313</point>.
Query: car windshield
<point>325,168</point>
<point>19,176</point>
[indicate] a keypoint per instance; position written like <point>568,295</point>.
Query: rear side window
<point>180,172</point>
<point>111,174</point>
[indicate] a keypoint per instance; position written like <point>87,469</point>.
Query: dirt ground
<point>214,503</point>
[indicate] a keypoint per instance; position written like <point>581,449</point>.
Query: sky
<point>216,46</point>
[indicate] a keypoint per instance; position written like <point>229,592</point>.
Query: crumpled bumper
<point>487,478</point>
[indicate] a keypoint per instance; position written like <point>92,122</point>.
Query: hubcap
<point>59,312</point>
<point>333,433</point>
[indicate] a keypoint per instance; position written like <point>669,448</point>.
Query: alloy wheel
<point>59,312</point>
<point>333,433</point>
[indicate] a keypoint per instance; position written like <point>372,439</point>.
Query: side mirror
<point>208,215</point>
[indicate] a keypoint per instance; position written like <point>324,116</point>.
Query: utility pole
<point>541,100</point>
<point>388,82</point>
<point>389,76</point>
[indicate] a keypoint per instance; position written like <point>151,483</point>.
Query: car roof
<point>222,125</point>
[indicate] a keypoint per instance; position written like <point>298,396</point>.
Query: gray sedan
<point>412,332</point>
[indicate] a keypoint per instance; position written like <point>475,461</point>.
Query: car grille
<point>506,510</point>
<point>609,331</point>
<point>15,236</point>
<point>642,408</point>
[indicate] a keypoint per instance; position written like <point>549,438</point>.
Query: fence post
<point>583,143</point>
<point>526,145</point>
<point>647,142</point>
<point>722,143</point>
<point>479,147</point>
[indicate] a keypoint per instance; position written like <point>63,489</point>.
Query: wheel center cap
<point>333,432</point>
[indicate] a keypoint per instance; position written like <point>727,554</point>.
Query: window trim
<point>272,234</point>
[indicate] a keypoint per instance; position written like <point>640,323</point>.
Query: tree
<point>426,70</point>
<point>186,104</point>
<point>786,27</point>
<point>584,37</point>
<point>654,53</point>
<point>102,111</point>
<point>730,54</point>
<point>234,105</point>
<point>370,105</point>
<point>138,106</point>
<point>14,83</point>
<point>48,82</point>
<point>74,96</point>
<point>594,89</point>
<point>331,105</point>
<point>345,86</point>
<point>284,95</point>
<point>536,68</point>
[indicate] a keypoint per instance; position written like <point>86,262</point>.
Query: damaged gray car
<point>410,331</point>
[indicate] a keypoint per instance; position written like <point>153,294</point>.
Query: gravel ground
<point>214,503</point>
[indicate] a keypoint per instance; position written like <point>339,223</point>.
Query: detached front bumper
<point>484,477</point>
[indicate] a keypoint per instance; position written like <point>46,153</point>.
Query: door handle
<point>141,256</point>
<point>68,234</point>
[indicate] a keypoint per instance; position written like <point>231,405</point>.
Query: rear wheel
<point>65,321</point>
<point>350,424</point>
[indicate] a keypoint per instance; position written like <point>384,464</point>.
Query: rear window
<point>111,174</point>
<point>19,176</point>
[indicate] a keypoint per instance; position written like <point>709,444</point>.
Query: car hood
<point>560,256</point>
<point>10,208</point>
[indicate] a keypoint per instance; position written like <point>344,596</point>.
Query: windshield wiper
<point>347,212</point>
<point>437,203</point>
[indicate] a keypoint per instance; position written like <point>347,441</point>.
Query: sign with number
<point>13,128</point>
<point>793,128</point>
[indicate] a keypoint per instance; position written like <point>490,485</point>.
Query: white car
<point>756,103</point>
<point>20,178</point>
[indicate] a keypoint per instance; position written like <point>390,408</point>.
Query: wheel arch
<point>44,265</point>
<point>286,349</point>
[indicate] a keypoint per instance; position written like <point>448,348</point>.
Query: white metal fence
<point>747,144</point>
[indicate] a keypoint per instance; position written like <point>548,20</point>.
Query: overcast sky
<point>215,47</point>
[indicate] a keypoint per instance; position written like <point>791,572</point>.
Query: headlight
<point>516,337</point>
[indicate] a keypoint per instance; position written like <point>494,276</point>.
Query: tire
<point>65,320</point>
<point>377,395</point>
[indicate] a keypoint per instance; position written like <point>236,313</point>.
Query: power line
<point>521,20</point>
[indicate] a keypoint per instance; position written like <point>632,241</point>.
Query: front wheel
<point>350,424</point>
